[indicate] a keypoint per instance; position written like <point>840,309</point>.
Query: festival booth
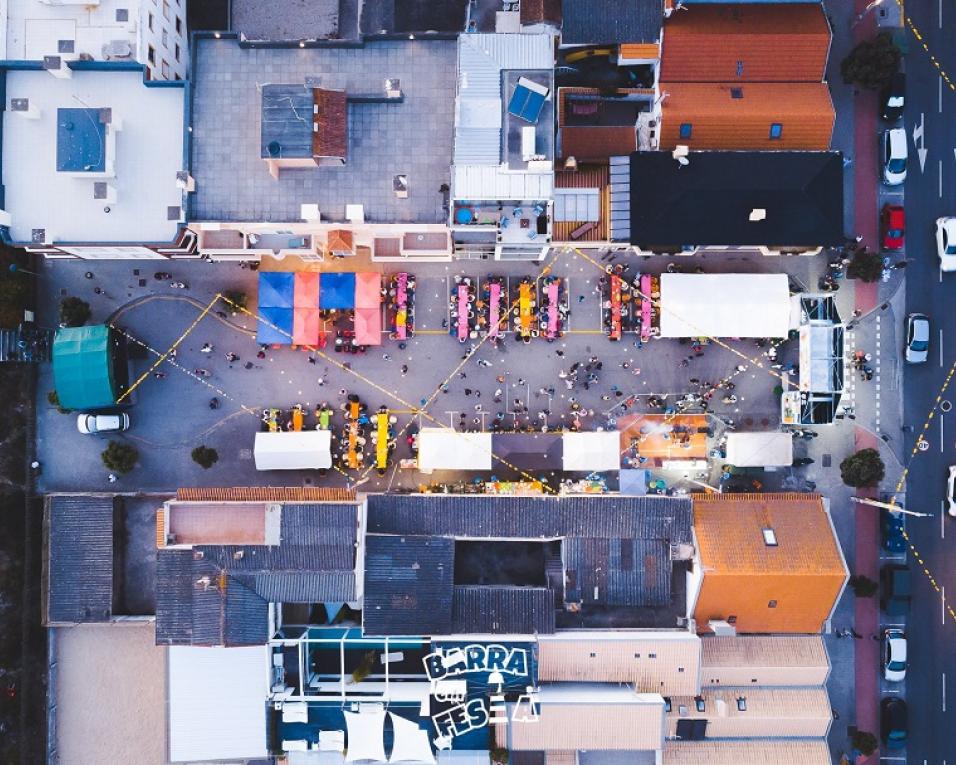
<point>337,291</point>
<point>592,451</point>
<point>528,451</point>
<point>767,450</point>
<point>90,367</point>
<point>725,305</point>
<point>495,299</point>
<point>366,739</point>
<point>401,301</point>
<point>445,449</point>
<point>306,320</point>
<point>661,440</point>
<point>554,311</point>
<point>293,450</point>
<point>368,309</point>
<point>463,324</point>
<point>276,306</point>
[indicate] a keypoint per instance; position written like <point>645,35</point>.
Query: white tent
<point>592,451</point>
<point>411,742</point>
<point>769,449</point>
<point>217,703</point>
<point>724,305</point>
<point>446,449</point>
<point>366,736</point>
<point>290,450</point>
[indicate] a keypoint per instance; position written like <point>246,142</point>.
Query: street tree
<point>120,457</point>
<point>866,265</point>
<point>74,312</point>
<point>872,63</point>
<point>863,586</point>
<point>863,469</point>
<point>864,742</point>
<point>205,456</point>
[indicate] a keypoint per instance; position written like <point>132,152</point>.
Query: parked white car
<point>946,243</point>
<point>895,150</point>
<point>894,655</point>
<point>951,492</point>
<point>917,338</point>
<point>102,423</point>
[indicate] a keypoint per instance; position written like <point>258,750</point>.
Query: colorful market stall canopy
<point>293,450</point>
<point>276,289</point>
<point>306,292</point>
<point>368,326</point>
<point>368,290</point>
<point>89,367</point>
<point>445,449</point>
<point>306,323</point>
<point>337,290</point>
<point>274,326</point>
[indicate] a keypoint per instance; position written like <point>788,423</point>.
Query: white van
<point>102,423</point>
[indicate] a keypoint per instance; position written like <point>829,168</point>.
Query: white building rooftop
<point>91,158</point>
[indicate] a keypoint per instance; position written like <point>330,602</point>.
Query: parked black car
<point>891,530</point>
<point>895,589</point>
<point>893,98</point>
<point>894,722</point>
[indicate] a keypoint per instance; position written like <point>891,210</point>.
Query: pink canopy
<point>462,312</point>
<point>368,290</point>
<point>368,326</point>
<point>306,292</point>
<point>494,313</point>
<point>552,309</point>
<point>305,326</point>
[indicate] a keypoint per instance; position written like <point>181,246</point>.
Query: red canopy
<point>305,326</point>
<point>368,290</point>
<point>368,326</point>
<point>306,292</point>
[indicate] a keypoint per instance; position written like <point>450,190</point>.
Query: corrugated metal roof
<point>503,610</point>
<point>301,586</point>
<point>408,585</point>
<point>618,572</point>
<point>663,663</point>
<point>601,726</point>
<point>481,516</point>
<point>620,198</point>
<point>80,559</point>
<point>768,713</point>
<point>611,21</point>
<point>746,753</point>
<point>476,181</point>
<point>765,660</point>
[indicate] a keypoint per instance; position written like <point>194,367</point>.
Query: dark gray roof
<point>219,594</point>
<point>529,451</point>
<point>710,200</point>
<point>484,516</point>
<point>617,572</point>
<point>611,21</point>
<point>503,610</point>
<point>80,559</point>
<point>408,585</point>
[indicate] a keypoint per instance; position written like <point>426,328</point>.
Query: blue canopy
<point>337,290</point>
<point>276,289</point>
<point>281,318</point>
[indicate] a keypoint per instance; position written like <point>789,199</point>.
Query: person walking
<point>206,348</point>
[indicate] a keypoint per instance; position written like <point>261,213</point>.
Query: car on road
<point>894,655</point>
<point>917,338</point>
<point>891,531</point>
<point>893,98</point>
<point>896,588</point>
<point>951,492</point>
<point>946,243</point>
<point>895,153</point>
<point>894,722</point>
<point>102,423</point>
<point>892,227</point>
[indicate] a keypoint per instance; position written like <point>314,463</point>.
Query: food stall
<point>554,310</point>
<point>461,309</point>
<point>446,449</point>
<point>293,450</point>
<point>401,302</point>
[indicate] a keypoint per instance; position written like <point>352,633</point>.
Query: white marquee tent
<point>592,451</point>
<point>769,449</point>
<point>445,449</point>
<point>291,450</point>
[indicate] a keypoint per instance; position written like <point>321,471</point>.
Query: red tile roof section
<point>331,117</point>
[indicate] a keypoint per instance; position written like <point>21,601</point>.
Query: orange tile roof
<point>640,51</point>
<point>721,121</point>
<point>264,494</point>
<point>340,240</point>
<point>787,588</point>
<point>746,43</point>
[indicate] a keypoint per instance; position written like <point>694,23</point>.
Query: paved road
<point>931,193</point>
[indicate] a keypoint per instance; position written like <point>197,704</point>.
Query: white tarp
<point>592,451</point>
<point>366,736</point>
<point>290,450</point>
<point>724,305</point>
<point>410,742</point>
<point>445,449</point>
<point>217,703</point>
<point>769,449</point>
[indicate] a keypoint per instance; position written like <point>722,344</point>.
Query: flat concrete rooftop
<point>412,138</point>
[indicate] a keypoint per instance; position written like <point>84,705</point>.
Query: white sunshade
<point>770,449</point>
<point>217,703</point>
<point>592,451</point>
<point>724,305</point>
<point>445,449</point>
<point>302,450</point>
<point>411,742</point>
<point>366,736</point>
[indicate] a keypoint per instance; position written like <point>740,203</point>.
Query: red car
<point>893,227</point>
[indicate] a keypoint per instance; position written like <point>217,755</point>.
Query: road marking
<point>941,179</point>
<point>944,691</point>
<point>942,602</point>
<point>940,14</point>
<point>942,516</point>
<point>920,143</point>
<point>941,347</point>
<point>941,438</point>
<point>939,80</point>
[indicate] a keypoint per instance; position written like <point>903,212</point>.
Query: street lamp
<point>869,7</point>
<point>15,269</point>
<point>891,508</point>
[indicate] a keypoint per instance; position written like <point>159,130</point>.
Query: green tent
<point>89,367</point>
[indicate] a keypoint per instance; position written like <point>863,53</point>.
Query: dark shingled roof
<point>219,594</point>
<point>588,22</point>
<point>709,201</point>
<point>408,585</point>
<point>79,566</point>
<point>617,572</point>
<point>482,516</point>
<point>503,610</point>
